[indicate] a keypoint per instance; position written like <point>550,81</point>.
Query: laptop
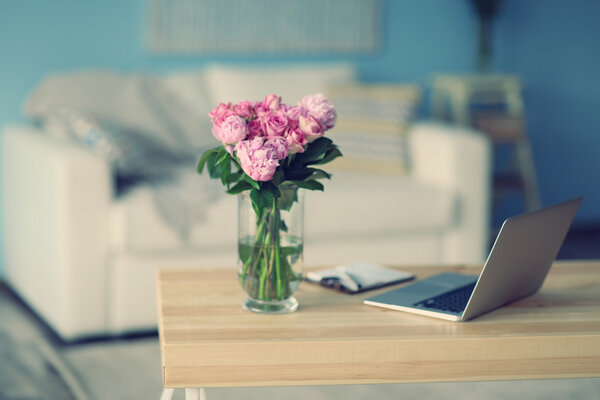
<point>516,267</point>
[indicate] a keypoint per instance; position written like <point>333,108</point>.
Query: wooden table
<point>208,340</point>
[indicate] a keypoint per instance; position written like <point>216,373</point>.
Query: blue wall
<point>39,37</point>
<point>553,45</point>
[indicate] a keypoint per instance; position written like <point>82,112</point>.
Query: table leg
<point>195,394</point>
<point>167,394</point>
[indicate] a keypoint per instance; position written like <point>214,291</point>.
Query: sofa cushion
<point>372,126</point>
<point>354,205</point>
<point>292,82</point>
<point>192,212</point>
<point>364,204</point>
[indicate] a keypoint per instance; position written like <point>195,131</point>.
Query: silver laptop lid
<point>521,257</point>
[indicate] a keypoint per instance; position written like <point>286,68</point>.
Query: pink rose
<point>218,114</point>
<point>292,113</point>
<point>296,140</point>
<point>275,123</point>
<point>261,110</point>
<point>310,127</point>
<point>272,102</point>
<point>255,129</point>
<point>245,109</point>
<point>278,146</point>
<point>259,158</point>
<point>318,107</point>
<point>234,129</point>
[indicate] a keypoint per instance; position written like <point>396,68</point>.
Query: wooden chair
<point>493,104</point>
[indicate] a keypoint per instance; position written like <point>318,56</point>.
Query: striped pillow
<point>372,125</point>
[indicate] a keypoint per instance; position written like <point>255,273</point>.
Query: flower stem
<point>266,273</point>
<point>255,249</point>
<point>276,218</point>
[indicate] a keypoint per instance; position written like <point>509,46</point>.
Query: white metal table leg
<point>190,394</point>
<point>195,394</point>
<point>167,394</point>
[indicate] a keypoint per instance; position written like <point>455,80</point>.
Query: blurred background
<point>550,44</point>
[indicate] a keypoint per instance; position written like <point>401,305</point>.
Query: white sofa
<point>86,261</point>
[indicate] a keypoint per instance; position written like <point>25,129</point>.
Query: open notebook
<point>357,278</point>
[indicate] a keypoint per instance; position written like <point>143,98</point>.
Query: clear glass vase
<point>270,251</point>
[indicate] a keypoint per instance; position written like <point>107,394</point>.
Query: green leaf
<point>271,187</point>
<point>278,177</point>
<point>204,158</point>
<point>299,174</point>
<point>251,181</point>
<point>239,187</point>
<point>319,173</point>
<point>213,171</point>
<point>331,154</point>
<point>314,151</point>
<point>261,199</point>
<point>235,177</point>
<point>224,169</point>
<point>257,210</point>
<point>222,155</point>
<point>283,227</point>
<point>310,185</point>
<point>288,196</point>
<point>320,145</point>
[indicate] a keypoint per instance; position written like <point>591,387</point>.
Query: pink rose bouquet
<point>268,144</point>
<point>270,150</point>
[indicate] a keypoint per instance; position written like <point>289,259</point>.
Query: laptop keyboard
<point>454,301</point>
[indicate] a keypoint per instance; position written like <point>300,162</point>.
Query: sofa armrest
<point>56,204</point>
<point>457,159</point>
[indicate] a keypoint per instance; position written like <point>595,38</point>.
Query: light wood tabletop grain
<point>208,340</point>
